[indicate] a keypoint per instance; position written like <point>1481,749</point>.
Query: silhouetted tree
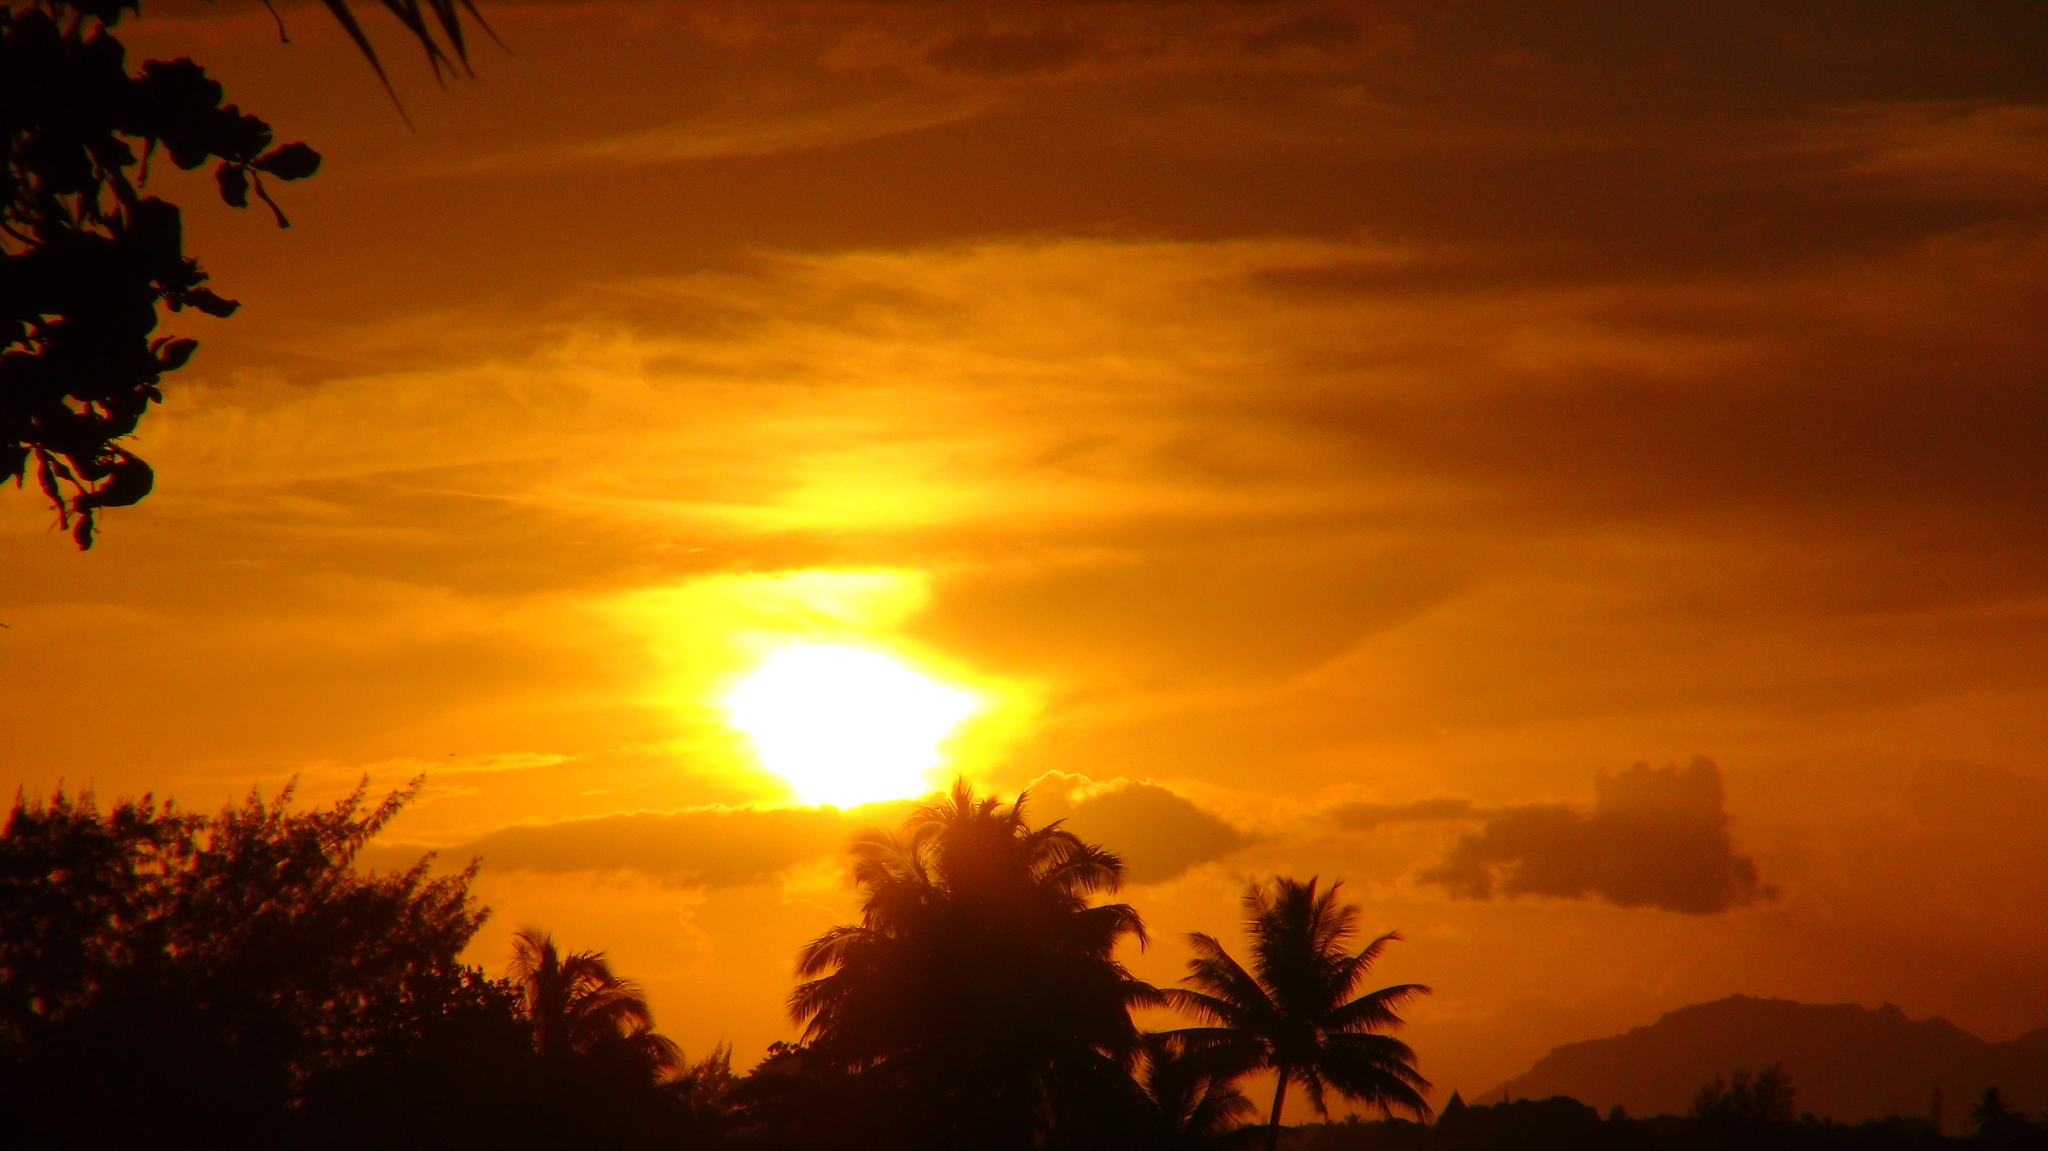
<point>86,258</point>
<point>1560,1123</point>
<point>1192,1103</point>
<point>468,1078</point>
<point>705,1088</point>
<point>576,1006</point>
<point>797,1099</point>
<point>1747,1100</point>
<point>557,1054</point>
<point>204,970</point>
<point>981,979</point>
<point>1296,1013</point>
<point>2001,1124</point>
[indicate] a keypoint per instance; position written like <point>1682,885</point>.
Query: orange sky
<point>1330,438</point>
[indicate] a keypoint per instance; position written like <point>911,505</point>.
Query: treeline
<point>235,981</point>
<point>1747,1112</point>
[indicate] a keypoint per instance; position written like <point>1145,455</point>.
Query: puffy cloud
<point>1159,832</point>
<point>1656,837</point>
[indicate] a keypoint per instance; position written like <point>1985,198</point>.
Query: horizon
<point>1576,479</point>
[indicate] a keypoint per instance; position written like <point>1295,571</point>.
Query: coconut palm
<point>1191,1103</point>
<point>982,978</point>
<point>576,1006</point>
<point>1295,1013</point>
<point>1996,1118</point>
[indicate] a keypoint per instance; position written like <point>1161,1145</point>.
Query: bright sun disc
<point>846,726</point>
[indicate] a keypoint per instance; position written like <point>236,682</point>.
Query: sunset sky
<point>1297,437</point>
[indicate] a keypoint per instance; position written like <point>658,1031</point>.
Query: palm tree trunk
<point>1279,1097</point>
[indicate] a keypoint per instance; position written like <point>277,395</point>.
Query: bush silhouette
<point>207,969</point>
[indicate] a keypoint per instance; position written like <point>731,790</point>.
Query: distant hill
<point>1846,1061</point>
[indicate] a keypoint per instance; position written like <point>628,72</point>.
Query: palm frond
<point>1310,1075</point>
<point>1335,922</point>
<point>1376,1010</point>
<point>1378,1070</point>
<point>829,950</point>
<point>1224,1050</point>
<point>1351,969</point>
<point>1106,924</point>
<point>655,1051</point>
<point>1225,1014</point>
<point>1214,971</point>
<point>435,25</point>
<point>1083,868</point>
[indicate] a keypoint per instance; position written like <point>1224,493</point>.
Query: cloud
<point>1318,29</point>
<point>1159,832</point>
<point>1655,838</point>
<point>703,847</point>
<point>737,132</point>
<point>1967,847</point>
<point>1366,816</point>
<point>1946,149</point>
<point>1979,801</point>
<point>1010,53</point>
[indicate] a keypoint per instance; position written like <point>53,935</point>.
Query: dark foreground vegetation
<point>1721,1119</point>
<point>88,254</point>
<point>235,981</point>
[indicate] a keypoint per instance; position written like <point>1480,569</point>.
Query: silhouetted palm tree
<point>1997,1120</point>
<point>1193,1103</point>
<point>981,978</point>
<point>577,1006</point>
<point>1295,1013</point>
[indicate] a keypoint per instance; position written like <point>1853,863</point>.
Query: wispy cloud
<point>1969,150</point>
<point>741,130</point>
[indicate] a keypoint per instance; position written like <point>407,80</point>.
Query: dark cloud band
<point>1159,833</point>
<point>1656,837</point>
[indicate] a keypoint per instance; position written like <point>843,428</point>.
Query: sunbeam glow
<point>844,725</point>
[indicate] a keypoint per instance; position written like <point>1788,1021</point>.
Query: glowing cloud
<point>844,725</point>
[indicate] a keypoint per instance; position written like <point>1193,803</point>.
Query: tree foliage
<point>1192,1103</point>
<point>982,978</point>
<point>576,1006</point>
<point>1745,1099</point>
<point>1296,1013</point>
<point>87,257</point>
<point>1756,1121</point>
<point>211,966</point>
<point>2000,1124</point>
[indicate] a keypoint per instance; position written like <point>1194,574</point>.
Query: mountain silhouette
<point>1846,1061</point>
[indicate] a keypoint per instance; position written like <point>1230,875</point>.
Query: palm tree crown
<point>981,977</point>
<point>577,1006</point>
<point>1191,1102</point>
<point>1296,1013</point>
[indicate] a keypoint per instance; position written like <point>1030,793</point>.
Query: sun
<point>845,725</point>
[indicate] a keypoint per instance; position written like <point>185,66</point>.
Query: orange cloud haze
<point>1341,437</point>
